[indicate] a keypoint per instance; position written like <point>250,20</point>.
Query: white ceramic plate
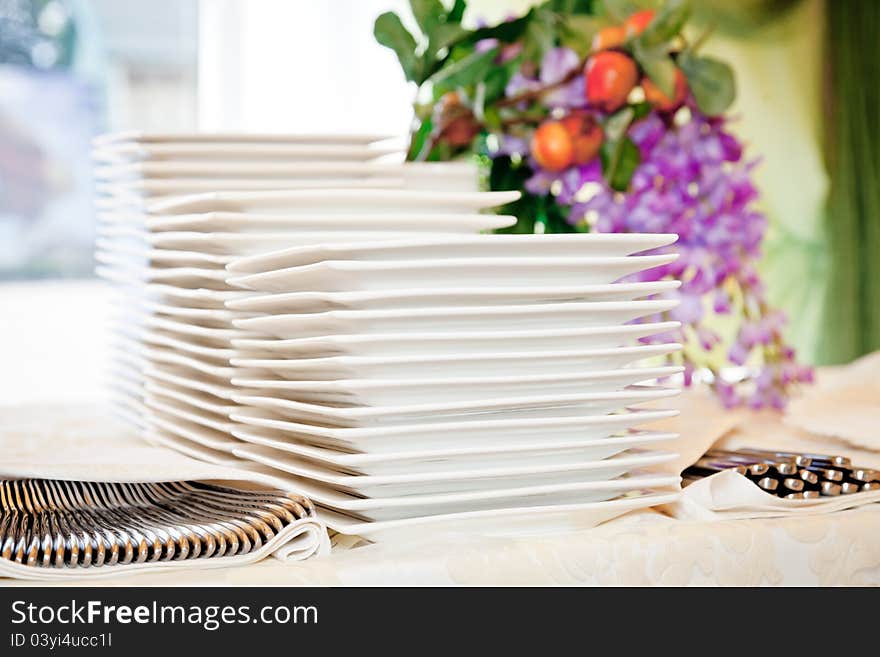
<point>302,302</point>
<point>340,225</point>
<point>440,344</point>
<point>217,160</point>
<point>471,246</point>
<point>139,193</point>
<point>210,438</point>
<point>454,481</point>
<point>106,249</point>
<point>184,379</point>
<point>424,390</point>
<point>455,318</point>
<point>333,202</point>
<point>137,136</point>
<point>241,244</point>
<point>465,435</point>
<point>388,508</point>
<point>539,452</point>
<point>580,404</point>
<point>499,522</point>
<point>488,364</point>
<point>174,408</point>
<point>348,275</point>
<point>192,398</point>
<point>169,439</point>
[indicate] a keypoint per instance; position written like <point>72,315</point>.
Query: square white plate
<point>489,363</point>
<point>455,481</point>
<point>580,404</point>
<point>439,344</point>
<point>301,302</point>
<point>539,452</point>
<point>140,137</point>
<point>455,318</point>
<point>475,434</point>
<point>470,246</point>
<point>339,226</point>
<point>508,521</point>
<point>195,159</point>
<point>430,389</point>
<point>334,202</point>
<point>350,275</point>
<point>409,506</point>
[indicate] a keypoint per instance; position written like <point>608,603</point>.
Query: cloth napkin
<point>106,451</point>
<point>838,415</point>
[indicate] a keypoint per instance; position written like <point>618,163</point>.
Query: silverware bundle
<point>787,474</point>
<point>55,524</point>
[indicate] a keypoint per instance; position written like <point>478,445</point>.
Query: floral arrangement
<point>609,119</point>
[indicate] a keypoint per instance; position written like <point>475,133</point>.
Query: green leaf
<point>618,10</point>
<point>457,12</point>
<point>391,33</point>
<point>446,34</point>
<point>711,81</point>
<point>569,7</point>
<point>657,65</point>
<point>539,36</point>
<point>620,158</point>
<point>463,73</point>
<point>506,31</point>
<point>667,23</point>
<point>617,124</point>
<point>428,14</point>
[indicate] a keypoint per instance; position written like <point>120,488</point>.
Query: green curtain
<point>852,144</point>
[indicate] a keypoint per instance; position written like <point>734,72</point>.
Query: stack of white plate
<point>301,304</point>
<point>166,248</point>
<point>430,381</point>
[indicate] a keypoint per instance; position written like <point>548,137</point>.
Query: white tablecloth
<point>638,549</point>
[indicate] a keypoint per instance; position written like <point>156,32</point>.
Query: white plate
<point>188,277</point>
<point>539,452</point>
<point>173,408</point>
<point>192,398</point>
<point>293,302</point>
<point>489,363</point>
<point>195,450</point>
<point>107,248</point>
<point>454,481</point>
<point>440,344</point>
<point>210,438</point>
<point>241,244</point>
<point>465,435</point>
<point>139,193</point>
<point>137,136</point>
<point>471,246</point>
<point>455,318</point>
<point>340,225</point>
<point>389,508</point>
<point>349,275</point>
<point>431,389</point>
<point>501,522</point>
<point>334,202</point>
<point>581,404</point>
<point>182,151</point>
<point>185,379</point>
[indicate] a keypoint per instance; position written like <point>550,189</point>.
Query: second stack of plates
<point>434,380</point>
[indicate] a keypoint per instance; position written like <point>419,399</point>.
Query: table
<point>642,548</point>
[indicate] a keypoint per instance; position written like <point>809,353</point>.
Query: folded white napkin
<point>730,496</point>
<point>94,458</point>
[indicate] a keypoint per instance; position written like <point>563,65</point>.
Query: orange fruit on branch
<point>609,38</point>
<point>586,136</point>
<point>659,100</point>
<point>610,76</point>
<point>552,146</point>
<point>636,24</point>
